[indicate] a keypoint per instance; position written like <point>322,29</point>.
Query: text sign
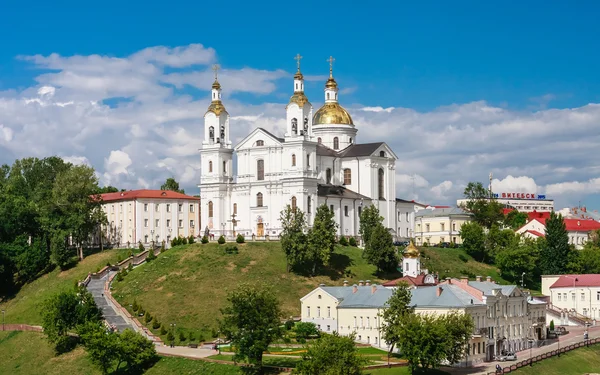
<point>519,196</point>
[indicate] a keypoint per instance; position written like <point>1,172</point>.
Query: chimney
<point>488,279</point>
<point>478,278</point>
<point>464,279</point>
<point>321,284</point>
<point>345,282</point>
<point>368,283</point>
<point>361,283</point>
<point>373,288</point>
<point>439,290</point>
<point>354,288</point>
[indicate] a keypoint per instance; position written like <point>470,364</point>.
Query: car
<point>509,357</point>
<point>445,245</point>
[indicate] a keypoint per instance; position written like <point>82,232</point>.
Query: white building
<point>149,215</point>
<point>574,299</point>
<point>522,202</point>
<point>405,218</point>
<point>435,225</point>
<point>578,230</point>
<point>317,161</point>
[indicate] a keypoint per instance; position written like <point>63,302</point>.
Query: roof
<point>487,287</point>
<point>538,215</point>
<point>565,281</point>
<point>441,212</point>
<point>364,296</point>
<point>145,194</point>
<point>575,225</point>
<point>536,233</point>
<point>414,281</point>
<point>281,140</point>
<point>338,191</point>
<point>323,150</point>
<point>399,200</point>
<point>363,149</point>
<point>450,296</point>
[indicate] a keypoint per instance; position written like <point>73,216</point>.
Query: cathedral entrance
<point>260,230</point>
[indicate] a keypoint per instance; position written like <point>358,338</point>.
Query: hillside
<point>577,362</point>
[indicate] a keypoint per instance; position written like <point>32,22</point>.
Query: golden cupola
<point>216,106</point>
<point>411,251</point>
<point>332,112</point>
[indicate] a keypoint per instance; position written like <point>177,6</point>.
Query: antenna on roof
<point>413,185</point>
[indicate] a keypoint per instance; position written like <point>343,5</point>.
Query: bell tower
<point>299,109</point>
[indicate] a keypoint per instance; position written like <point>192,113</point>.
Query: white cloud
<point>441,189</point>
<point>377,109</point>
<point>76,160</point>
<point>591,186</point>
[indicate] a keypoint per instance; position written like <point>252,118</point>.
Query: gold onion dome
<point>299,98</point>
<point>216,107</point>
<point>331,83</point>
<point>411,251</point>
<point>332,113</point>
<point>216,85</point>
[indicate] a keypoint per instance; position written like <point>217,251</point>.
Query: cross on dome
<point>215,69</point>
<point>298,58</point>
<point>331,60</point>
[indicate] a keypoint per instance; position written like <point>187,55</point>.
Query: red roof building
<point>419,280</point>
<point>579,230</point>
<point>145,194</point>
<point>568,281</point>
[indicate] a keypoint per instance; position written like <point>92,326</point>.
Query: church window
<point>294,126</point>
<point>224,167</point>
<point>260,169</point>
<point>259,200</point>
<point>293,160</point>
<point>308,160</point>
<point>235,208</point>
<point>336,143</point>
<point>210,166</point>
<point>380,183</point>
<point>350,140</point>
<point>327,95</point>
<point>319,140</point>
<point>260,142</point>
<point>331,208</point>
<point>293,203</point>
<point>210,209</point>
<point>347,176</point>
<point>309,206</point>
<point>382,154</point>
<point>211,133</point>
<point>328,176</point>
<point>345,210</point>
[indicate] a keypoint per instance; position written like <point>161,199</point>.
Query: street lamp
<point>223,230</point>
<point>173,325</point>
<point>522,275</point>
<point>152,235</point>
<point>530,351</point>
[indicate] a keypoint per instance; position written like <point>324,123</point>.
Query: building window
<point>375,340</point>
<point>210,209</point>
<point>380,183</point>
<point>308,160</point>
<point>345,210</point>
<point>146,223</point>
<point>368,322</point>
<point>328,176</point>
<point>192,223</point>
<point>328,327</point>
<point>224,167</point>
<point>168,207</point>
<point>598,296</point>
<point>382,154</point>
<point>146,239</point>
<point>453,226</point>
<point>309,205</point>
<point>336,143</point>
<point>293,160</point>
<point>260,169</point>
<point>145,207</point>
<point>347,176</point>
<point>168,223</point>
<point>260,142</point>
<point>235,208</point>
<point>156,207</point>
<point>350,140</point>
<point>293,203</point>
<point>191,208</point>
<point>331,208</point>
<point>318,311</point>
<point>180,207</point>
<point>308,311</point>
<point>319,140</point>
<point>210,166</point>
<point>180,223</point>
<point>443,227</point>
<point>359,211</point>
<point>157,222</point>
<point>328,311</point>
<point>426,227</point>
<point>583,296</point>
<point>259,200</point>
<point>573,296</point>
<point>112,208</point>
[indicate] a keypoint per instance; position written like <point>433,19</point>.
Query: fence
<point>20,327</point>
<point>550,354</point>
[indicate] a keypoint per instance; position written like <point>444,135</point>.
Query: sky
<point>457,89</point>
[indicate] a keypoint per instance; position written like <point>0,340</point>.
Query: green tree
<point>293,238</point>
<point>590,258</point>
<point>380,251</point>
<point>473,237</point>
<point>101,346</point>
<point>397,307</point>
<point>173,185</point>
<point>321,238</point>
<point>423,341</point>
<point>61,254</point>
<point>305,330</point>
<point>517,259</point>
<point>251,321</point>
<point>497,239</point>
<point>554,254</point>
<point>459,328</point>
<point>515,219</point>
<point>369,218</point>
<point>135,351</point>
<point>331,355</point>
<point>485,210</point>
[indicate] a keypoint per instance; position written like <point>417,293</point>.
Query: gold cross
<point>331,60</point>
<point>297,58</point>
<point>216,68</point>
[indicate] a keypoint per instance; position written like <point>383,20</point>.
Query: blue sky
<point>426,59</point>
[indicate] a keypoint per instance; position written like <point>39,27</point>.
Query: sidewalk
<point>96,287</point>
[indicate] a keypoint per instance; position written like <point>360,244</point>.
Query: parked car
<point>445,245</point>
<point>508,357</point>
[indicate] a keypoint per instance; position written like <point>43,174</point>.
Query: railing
<point>541,357</point>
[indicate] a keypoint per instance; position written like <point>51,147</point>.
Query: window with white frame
<point>192,223</point>
<point>308,311</point>
<point>583,296</point>
<point>157,222</point>
<point>145,207</point>
<point>180,207</point>
<point>318,311</point>
<point>191,208</point>
<point>168,207</point>
<point>180,223</point>
<point>146,223</point>
<point>168,223</point>
<point>329,311</point>
<point>146,239</point>
<point>156,207</point>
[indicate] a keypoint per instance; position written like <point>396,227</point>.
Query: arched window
<point>347,176</point>
<point>235,208</point>
<point>328,176</point>
<point>293,203</point>
<point>327,95</point>
<point>260,142</point>
<point>319,140</point>
<point>293,160</point>
<point>294,126</point>
<point>259,200</point>
<point>224,166</point>
<point>336,143</point>
<point>382,154</point>
<point>210,166</point>
<point>308,160</point>
<point>260,169</point>
<point>380,183</point>
<point>350,140</point>
<point>211,133</point>
<point>210,209</point>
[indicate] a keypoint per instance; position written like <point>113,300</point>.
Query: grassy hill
<point>577,362</point>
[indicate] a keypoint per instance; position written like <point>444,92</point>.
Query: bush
<point>147,317</point>
<point>343,241</point>
<point>162,247</point>
<point>221,240</point>
<point>141,246</point>
<point>191,336</point>
<point>231,249</point>
<point>352,242</point>
<point>175,242</point>
<point>204,239</point>
<point>305,330</point>
<point>130,266</point>
<point>287,340</point>
<point>182,337</point>
<point>289,324</point>
<point>469,274</point>
<point>184,241</point>
<point>120,276</point>
<point>214,333</point>
<point>170,336</point>
<point>425,244</point>
<point>191,239</point>
<point>155,323</point>
<point>135,306</point>
<point>141,311</point>
<point>239,239</point>
<point>151,256</point>
<point>452,245</point>
<point>463,258</point>
<point>163,329</point>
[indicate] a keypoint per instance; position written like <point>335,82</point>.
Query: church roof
<point>325,151</point>
<point>364,149</point>
<point>336,191</point>
<point>281,140</point>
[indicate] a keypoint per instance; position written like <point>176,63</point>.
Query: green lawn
<point>187,285</point>
<point>24,307</point>
<point>577,362</point>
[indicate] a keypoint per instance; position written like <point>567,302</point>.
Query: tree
<point>380,251</point>
<point>331,355</point>
<point>423,341</point>
<point>293,238</point>
<point>321,238</point>
<point>369,218</point>
<point>590,258</point>
<point>554,254</point>
<point>485,210</point>
<point>135,351</point>
<point>251,321</point>
<point>61,254</point>
<point>101,346</point>
<point>473,238</point>
<point>518,258</point>
<point>515,219</point>
<point>459,328</point>
<point>497,239</point>
<point>397,307</point>
<point>305,330</point>
<point>173,185</point>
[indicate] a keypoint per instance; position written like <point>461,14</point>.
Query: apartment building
<point>435,225</point>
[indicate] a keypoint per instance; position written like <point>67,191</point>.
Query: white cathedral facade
<point>317,161</point>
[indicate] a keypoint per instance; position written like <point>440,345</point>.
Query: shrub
<point>452,245</point>
<point>155,323</point>
<point>162,247</point>
<point>204,239</point>
<point>343,241</point>
<point>289,324</point>
<point>352,242</point>
<point>231,249</point>
<point>239,239</point>
<point>425,244</point>
<point>214,332</point>
<point>120,276</point>
<point>141,311</point>
<point>151,256</point>
<point>305,330</point>
<point>135,306</point>
<point>141,246</point>
<point>147,317</point>
<point>467,273</point>
<point>191,239</point>
<point>552,325</point>
<point>130,267</point>
<point>163,329</point>
<point>184,241</point>
<point>287,340</point>
<point>463,258</point>
<point>200,337</point>
<point>191,336</point>
<point>170,336</point>
<point>174,242</point>
<point>182,337</point>
<point>221,240</point>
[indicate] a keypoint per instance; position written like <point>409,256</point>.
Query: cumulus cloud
<point>377,109</point>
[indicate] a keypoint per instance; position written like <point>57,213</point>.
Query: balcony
<point>481,332</point>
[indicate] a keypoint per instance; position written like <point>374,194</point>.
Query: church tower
<point>216,161</point>
<point>411,261</point>
<point>299,109</point>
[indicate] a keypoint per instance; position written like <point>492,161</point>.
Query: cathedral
<point>318,160</point>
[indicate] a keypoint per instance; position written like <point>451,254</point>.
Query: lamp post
<point>530,351</point>
<point>173,325</point>
<point>223,230</point>
<point>522,276</point>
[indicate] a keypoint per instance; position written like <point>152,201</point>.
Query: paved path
<point>184,351</point>
<point>96,287</point>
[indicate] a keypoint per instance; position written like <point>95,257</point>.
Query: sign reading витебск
<point>519,196</point>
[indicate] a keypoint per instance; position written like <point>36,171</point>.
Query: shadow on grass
<point>338,268</point>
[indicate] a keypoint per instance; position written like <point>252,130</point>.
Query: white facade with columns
<point>317,161</point>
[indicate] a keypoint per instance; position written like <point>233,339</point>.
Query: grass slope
<point>441,260</point>
<point>577,362</point>
<point>24,306</point>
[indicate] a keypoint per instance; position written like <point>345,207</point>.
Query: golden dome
<point>216,85</point>
<point>331,83</point>
<point>332,113</point>
<point>299,98</point>
<point>411,251</point>
<point>298,75</point>
<point>216,107</point>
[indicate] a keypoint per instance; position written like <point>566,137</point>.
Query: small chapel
<point>314,158</point>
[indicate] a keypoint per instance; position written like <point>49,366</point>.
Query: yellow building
<point>435,225</point>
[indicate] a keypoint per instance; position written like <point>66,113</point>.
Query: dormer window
<point>260,142</point>
<point>382,154</point>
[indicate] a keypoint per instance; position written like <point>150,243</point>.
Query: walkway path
<point>96,287</point>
